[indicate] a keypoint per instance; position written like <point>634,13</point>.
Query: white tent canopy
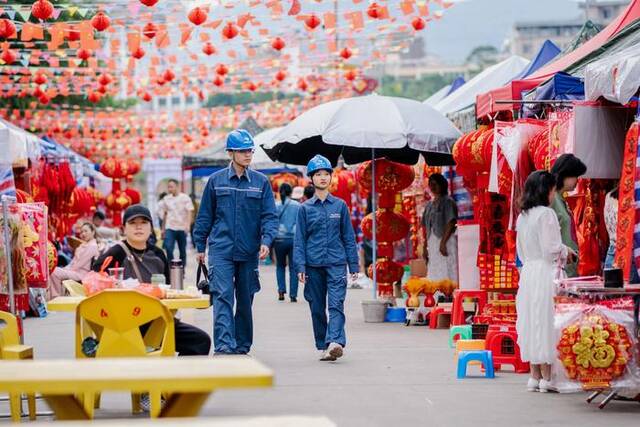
<point>615,77</point>
<point>17,145</point>
<point>493,77</point>
<point>438,96</point>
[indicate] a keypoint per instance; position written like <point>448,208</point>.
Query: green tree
<point>241,98</point>
<point>414,88</point>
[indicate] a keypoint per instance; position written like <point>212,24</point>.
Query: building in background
<point>527,37</point>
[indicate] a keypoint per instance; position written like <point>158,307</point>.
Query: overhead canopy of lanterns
<point>144,49</point>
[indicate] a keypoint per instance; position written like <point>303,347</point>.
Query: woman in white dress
<point>439,219</point>
<point>543,255</point>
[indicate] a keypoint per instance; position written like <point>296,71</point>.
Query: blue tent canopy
<point>459,81</point>
<point>547,52</point>
<point>561,87</point>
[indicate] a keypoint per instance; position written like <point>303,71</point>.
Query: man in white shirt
<point>176,210</point>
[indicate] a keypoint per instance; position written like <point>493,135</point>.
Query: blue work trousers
<point>233,282</point>
<point>171,237</point>
<point>326,287</point>
<point>284,255</point>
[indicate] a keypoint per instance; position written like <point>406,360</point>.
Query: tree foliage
<point>415,88</point>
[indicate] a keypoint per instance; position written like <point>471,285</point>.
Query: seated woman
<point>141,260</point>
<point>79,265</point>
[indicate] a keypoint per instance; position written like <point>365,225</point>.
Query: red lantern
<point>73,34</point>
<point>346,53</point>
<point>391,177</point>
<point>84,54</point>
<point>42,10</point>
<point>38,92</point>
<point>390,226</point>
<point>312,21</point>
<point>102,89</point>
<point>251,86</point>
<point>302,84</point>
<point>105,79</point>
<point>133,167</point>
<point>230,30</point>
<point>218,81</point>
<point>418,23</point>
<point>146,97</point>
<point>114,168</point>
<point>350,75</point>
<point>197,16</point>
<point>44,99</point>
<point>40,79</point>
<point>374,11</point>
<point>149,30</point>
<point>138,53</point>
<point>168,75</point>
<point>208,49</point>
<point>134,195</point>
<point>222,69</point>
<point>281,75</point>
<point>100,21</point>
<point>387,271</point>
<point>94,97</point>
<point>149,3</point>
<point>118,201</point>
<point>278,44</point>
<point>7,29</point>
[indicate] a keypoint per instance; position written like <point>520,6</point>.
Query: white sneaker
<point>335,350</point>
<point>325,356</point>
<point>545,386</point>
<point>533,384</point>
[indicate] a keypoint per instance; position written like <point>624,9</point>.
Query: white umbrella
<point>366,128</point>
<point>397,128</point>
<point>260,158</point>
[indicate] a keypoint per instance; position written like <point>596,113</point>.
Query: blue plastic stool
<point>464,332</point>
<point>483,356</point>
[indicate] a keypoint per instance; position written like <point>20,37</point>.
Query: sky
<point>471,23</point>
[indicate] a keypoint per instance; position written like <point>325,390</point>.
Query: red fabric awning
<point>486,102</point>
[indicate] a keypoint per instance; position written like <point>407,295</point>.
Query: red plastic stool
<point>502,340</point>
<point>433,316</point>
<point>459,295</point>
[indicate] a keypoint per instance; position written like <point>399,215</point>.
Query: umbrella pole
<point>374,246</point>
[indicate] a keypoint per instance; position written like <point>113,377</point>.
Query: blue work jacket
<point>324,235</point>
<point>236,215</point>
<point>287,217</point>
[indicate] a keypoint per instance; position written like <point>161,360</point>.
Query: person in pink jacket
<point>79,265</point>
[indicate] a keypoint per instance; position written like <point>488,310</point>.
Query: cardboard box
<point>418,267</point>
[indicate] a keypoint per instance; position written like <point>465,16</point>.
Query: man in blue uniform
<point>324,245</point>
<point>238,218</point>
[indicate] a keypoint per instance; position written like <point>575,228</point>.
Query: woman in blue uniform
<point>324,245</point>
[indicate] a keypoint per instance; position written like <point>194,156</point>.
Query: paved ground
<point>391,375</point>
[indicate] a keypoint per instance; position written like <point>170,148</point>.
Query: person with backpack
<point>324,246</point>
<point>283,244</point>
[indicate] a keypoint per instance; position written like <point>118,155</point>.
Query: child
<point>324,244</point>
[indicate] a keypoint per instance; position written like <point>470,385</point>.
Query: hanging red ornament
<point>7,29</point>
<point>134,195</point>
<point>374,11</point>
<point>312,21</point>
<point>281,75</point>
<point>251,86</point>
<point>230,30</point>
<point>8,56</point>
<point>146,97</point>
<point>350,75</point>
<point>40,79</point>
<point>138,53</point>
<point>161,81</point>
<point>168,76</point>
<point>149,30</point>
<point>218,81</point>
<point>302,84</point>
<point>418,23</point>
<point>44,99</point>
<point>105,79</point>
<point>94,97</point>
<point>102,89</point>
<point>278,44</point>
<point>222,69</point>
<point>84,54</point>
<point>149,3</point>
<point>197,16</point>
<point>208,49</point>
<point>73,34</point>
<point>100,21</point>
<point>42,10</point>
<point>346,53</point>
<point>38,92</point>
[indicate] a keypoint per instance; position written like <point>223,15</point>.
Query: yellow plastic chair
<point>11,349</point>
<point>114,317</point>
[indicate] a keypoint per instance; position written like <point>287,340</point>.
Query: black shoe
<point>294,299</point>
<point>280,296</point>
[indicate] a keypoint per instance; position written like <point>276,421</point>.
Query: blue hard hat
<point>318,163</point>
<point>240,139</point>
